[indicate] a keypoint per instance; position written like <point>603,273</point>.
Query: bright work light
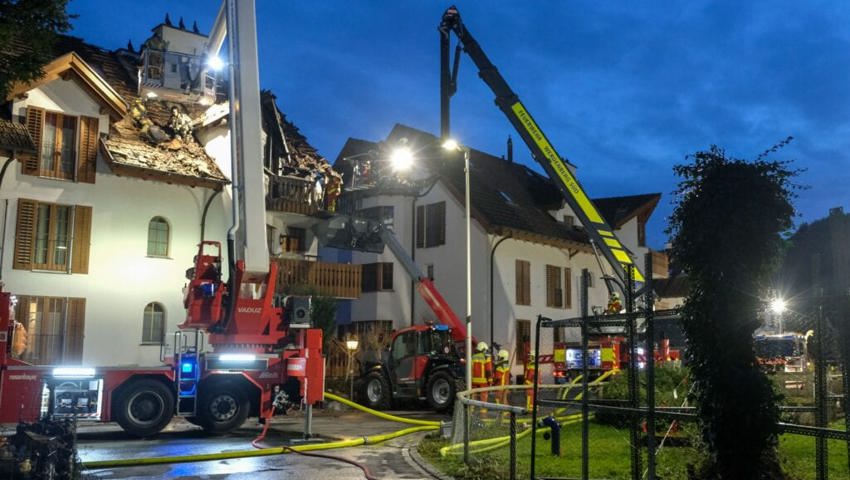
<point>215,63</point>
<point>401,159</point>
<point>777,306</point>
<point>73,372</point>
<point>237,357</point>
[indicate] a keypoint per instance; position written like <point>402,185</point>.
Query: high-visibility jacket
<point>481,374</point>
<point>502,376</point>
<point>529,373</point>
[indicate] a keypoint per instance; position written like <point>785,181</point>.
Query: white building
<point>130,172</point>
<point>528,249</point>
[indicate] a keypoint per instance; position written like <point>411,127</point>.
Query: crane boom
<point>601,234</point>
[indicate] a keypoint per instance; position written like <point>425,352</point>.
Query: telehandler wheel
<point>144,407</point>
<point>222,408</point>
<point>376,391</point>
<point>440,391</point>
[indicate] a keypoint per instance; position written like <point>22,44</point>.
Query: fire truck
<point>259,344</point>
<point>603,354</point>
<point>782,352</point>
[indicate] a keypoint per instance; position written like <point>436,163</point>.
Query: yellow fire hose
<point>420,426</point>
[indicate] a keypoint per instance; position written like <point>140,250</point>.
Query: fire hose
<point>419,426</point>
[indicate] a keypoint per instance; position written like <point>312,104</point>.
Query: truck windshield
<point>439,342</point>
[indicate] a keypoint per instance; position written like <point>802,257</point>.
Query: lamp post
<point>455,146</point>
<point>351,345</point>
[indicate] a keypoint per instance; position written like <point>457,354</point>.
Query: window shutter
<point>75,331</point>
<point>34,123</point>
<point>81,242</point>
<point>568,288</point>
<point>420,226</point>
<point>440,221</point>
<point>523,282</point>
<point>87,161</point>
<point>25,234</point>
<point>551,279</point>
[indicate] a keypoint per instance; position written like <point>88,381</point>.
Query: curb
<point>425,465</point>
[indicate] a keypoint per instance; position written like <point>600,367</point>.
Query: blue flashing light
<point>187,367</point>
<point>208,289</point>
<point>441,328</point>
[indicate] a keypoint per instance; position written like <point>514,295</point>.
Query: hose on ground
<point>385,416</point>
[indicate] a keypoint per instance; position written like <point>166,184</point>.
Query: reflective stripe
<point>479,362</point>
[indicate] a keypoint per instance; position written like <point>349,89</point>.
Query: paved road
<point>389,460</point>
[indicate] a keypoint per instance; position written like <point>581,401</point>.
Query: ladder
<point>188,373</point>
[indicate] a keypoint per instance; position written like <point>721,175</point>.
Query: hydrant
<point>555,432</point>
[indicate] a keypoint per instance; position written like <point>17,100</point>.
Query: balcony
<point>294,195</point>
<point>336,280</point>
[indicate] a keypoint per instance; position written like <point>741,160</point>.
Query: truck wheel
<point>144,407</point>
<point>441,390</point>
<point>222,408</point>
<point>376,391</point>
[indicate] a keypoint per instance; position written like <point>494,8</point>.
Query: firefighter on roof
<point>482,370</point>
<point>529,380</point>
<point>614,305</point>
<point>502,376</point>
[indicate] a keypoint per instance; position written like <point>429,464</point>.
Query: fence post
<point>821,452</point>
<point>513,446</point>
<point>466,433</point>
<point>585,411</point>
<point>650,368</point>
<point>634,392</point>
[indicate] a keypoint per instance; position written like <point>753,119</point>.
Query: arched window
<point>153,324</point>
<point>158,232</point>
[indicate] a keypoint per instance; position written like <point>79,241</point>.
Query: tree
<point>28,30</point>
<point>726,232</point>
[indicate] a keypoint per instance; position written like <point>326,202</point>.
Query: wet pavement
<point>388,460</point>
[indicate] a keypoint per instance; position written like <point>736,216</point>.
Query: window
<point>55,329</point>
<point>158,231</point>
<point>294,241</point>
<point>569,220</point>
<point>431,225</point>
<point>523,340</point>
<point>52,237</point>
<point>377,276</point>
<point>153,324</point>
<point>404,345</point>
<point>641,233</point>
<point>523,282</point>
<point>430,271</point>
<point>558,334</point>
<point>66,146</point>
<point>554,290</point>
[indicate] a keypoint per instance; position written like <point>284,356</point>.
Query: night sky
<point>623,90</point>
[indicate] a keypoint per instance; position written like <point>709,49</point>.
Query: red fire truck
<point>259,348</point>
<point>604,354</point>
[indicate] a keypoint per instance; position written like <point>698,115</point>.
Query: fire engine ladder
<point>601,235</point>
<point>187,371</point>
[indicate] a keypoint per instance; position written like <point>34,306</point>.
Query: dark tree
<point>726,232</point>
<point>28,30</point>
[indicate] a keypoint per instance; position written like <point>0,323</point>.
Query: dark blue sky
<point>624,91</point>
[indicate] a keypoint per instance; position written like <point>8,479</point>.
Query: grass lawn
<point>610,457</point>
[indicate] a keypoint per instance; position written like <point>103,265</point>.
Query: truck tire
<point>144,407</point>
<point>376,391</point>
<point>440,391</point>
<point>222,408</point>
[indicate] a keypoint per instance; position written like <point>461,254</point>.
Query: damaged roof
<point>127,149</point>
<point>619,210</point>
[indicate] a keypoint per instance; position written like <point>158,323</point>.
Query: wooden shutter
<point>440,223</point>
<point>420,226</point>
<point>25,234</point>
<point>523,282</point>
<point>552,274</point>
<point>81,241</point>
<point>87,159</point>
<point>74,331</point>
<point>35,124</point>
<point>568,287</point>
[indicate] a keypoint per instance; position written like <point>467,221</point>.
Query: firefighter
<point>482,370</point>
<point>502,376</point>
<point>614,305</point>
<point>529,380</point>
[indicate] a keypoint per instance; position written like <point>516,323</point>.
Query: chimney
<point>510,149</point>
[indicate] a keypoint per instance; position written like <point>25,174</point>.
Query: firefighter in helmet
<point>529,380</point>
<point>482,370</point>
<point>614,305</point>
<point>502,376</point>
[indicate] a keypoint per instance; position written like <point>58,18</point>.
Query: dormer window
<point>569,220</point>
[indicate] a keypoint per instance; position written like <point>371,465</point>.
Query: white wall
<point>122,279</point>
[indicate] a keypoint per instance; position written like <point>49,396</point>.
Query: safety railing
<point>463,398</point>
<point>338,280</point>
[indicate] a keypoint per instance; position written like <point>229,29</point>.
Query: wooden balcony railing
<point>293,195</point>
<point>337,280</point>
<point>660,265</point>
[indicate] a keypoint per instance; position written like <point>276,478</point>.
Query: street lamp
<point>453,145</point>
<point>351,345</point>
<point>778,306</point>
